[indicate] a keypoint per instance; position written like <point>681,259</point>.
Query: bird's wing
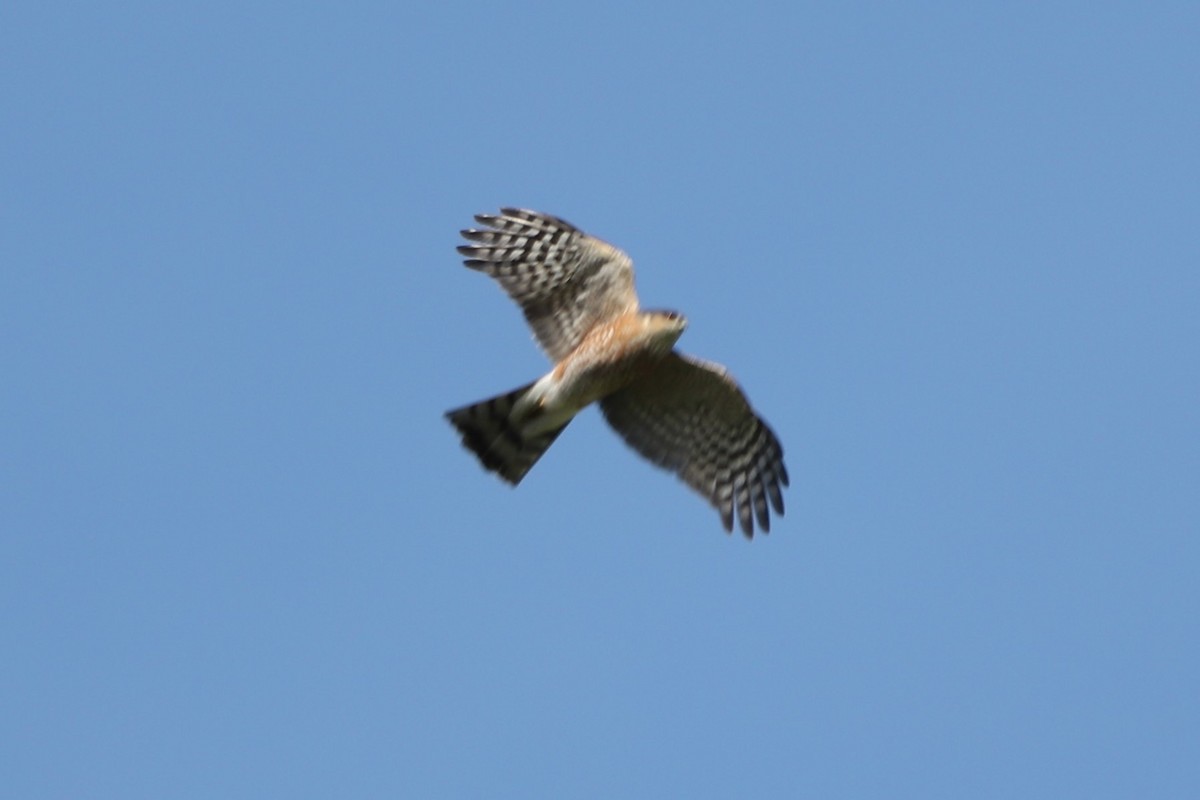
<point>690,417</point>
<point>564,280</point>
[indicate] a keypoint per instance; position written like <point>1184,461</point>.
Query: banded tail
<point>491,432</point>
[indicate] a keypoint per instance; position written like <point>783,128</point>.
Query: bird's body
<point>680,413</point>
<point>612,355</point>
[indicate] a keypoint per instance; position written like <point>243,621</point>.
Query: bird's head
<point>664,327</point>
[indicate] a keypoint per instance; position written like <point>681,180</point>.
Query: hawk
<point>681,413</point>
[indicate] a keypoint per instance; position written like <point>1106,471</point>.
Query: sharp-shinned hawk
<point>681,413</point>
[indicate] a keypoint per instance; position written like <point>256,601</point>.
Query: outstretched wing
<point>690,417</point>
<point>565,281</point>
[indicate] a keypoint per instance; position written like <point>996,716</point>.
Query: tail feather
<point>490,432</point>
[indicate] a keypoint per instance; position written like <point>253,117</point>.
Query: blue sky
<point>950,251</point>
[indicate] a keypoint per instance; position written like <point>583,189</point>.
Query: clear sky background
<point>950,250</point>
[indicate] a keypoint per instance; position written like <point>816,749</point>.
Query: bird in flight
<point>681,413</point>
